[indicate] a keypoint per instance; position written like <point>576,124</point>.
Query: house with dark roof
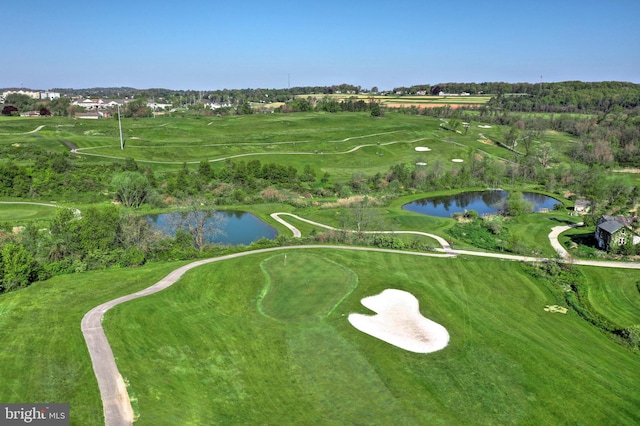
<point>615,231</point>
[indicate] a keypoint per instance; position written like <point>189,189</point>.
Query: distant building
<point>94,115</point>
<point>156,105</point>
<point>217,105</point>
<point>453,94</point>
<point>32,94</point>
<point>98,104</point>
<point>49,95</point>
<point>30,114</point>
<point>581,207</point>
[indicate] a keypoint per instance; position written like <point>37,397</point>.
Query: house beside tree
<point>614,232</point>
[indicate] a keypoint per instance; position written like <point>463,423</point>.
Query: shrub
<point>388,241</point>
<point>493,224</point>
<point>133,256</point>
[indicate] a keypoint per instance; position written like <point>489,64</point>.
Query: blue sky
<point>209,44</point>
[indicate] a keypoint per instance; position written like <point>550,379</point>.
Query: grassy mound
<point>302,286</point>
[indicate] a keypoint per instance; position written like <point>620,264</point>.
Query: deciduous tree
<point>202,225</point>
<point>19,267</point>
<point>9,110</point>
<point>131,188</point>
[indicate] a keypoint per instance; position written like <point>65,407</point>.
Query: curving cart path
<point>553,238</point>
<point>83,151</point>
<point>296,233</point>
<point>113,391</point>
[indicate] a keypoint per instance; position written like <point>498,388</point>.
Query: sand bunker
<point>421,163</point>
<point>457,160</point>
<point>422,148</point>
<point>484,127</point>
<point>556,309</point>
<point>400,323</point>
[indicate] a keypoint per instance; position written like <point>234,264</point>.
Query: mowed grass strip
<point>301,286</point>
<point>615,296</point>
<point>202,353</point>
<point>43,357</point>
<point>20,213</point>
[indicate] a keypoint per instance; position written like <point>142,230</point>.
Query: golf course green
<point>202,352</point>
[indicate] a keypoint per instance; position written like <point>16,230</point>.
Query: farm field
<point>420,101</point>
<point>209,345</point>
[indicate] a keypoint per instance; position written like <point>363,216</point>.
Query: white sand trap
<point>398,321</point>
<point>484,127</point>
<point>422,148</point>
<point>420,163</point>
<point>457,160</point>
<point>556,309</point>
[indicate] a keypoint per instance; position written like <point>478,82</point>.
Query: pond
<point>483,202</point>
<point>238,228</point>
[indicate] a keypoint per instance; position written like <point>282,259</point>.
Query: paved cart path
<point>113,391</point>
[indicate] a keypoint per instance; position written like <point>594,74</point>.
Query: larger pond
<point>237,227</point>
<point>483,202</point>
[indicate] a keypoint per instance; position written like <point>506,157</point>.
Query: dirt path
<point>113,391</point>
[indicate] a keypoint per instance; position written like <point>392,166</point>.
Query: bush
<point>471,214</point>
<point>494,224</point>
<point>478,235</point>
<point>388,241</point>
<point>133,256</point>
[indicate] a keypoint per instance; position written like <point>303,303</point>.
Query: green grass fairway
<point>202,353</point>
<point>20,213</point>
<point>615,296</point>
<point>43,356</point>
<point>339,143</point>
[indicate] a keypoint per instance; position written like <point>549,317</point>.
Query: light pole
<point>120,127</point>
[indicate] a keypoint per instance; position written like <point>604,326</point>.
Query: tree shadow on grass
<point>587,240</point>
<point>562,221</point>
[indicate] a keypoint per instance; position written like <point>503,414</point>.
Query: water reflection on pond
<point>239,227</point>
<point>483,202</point>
